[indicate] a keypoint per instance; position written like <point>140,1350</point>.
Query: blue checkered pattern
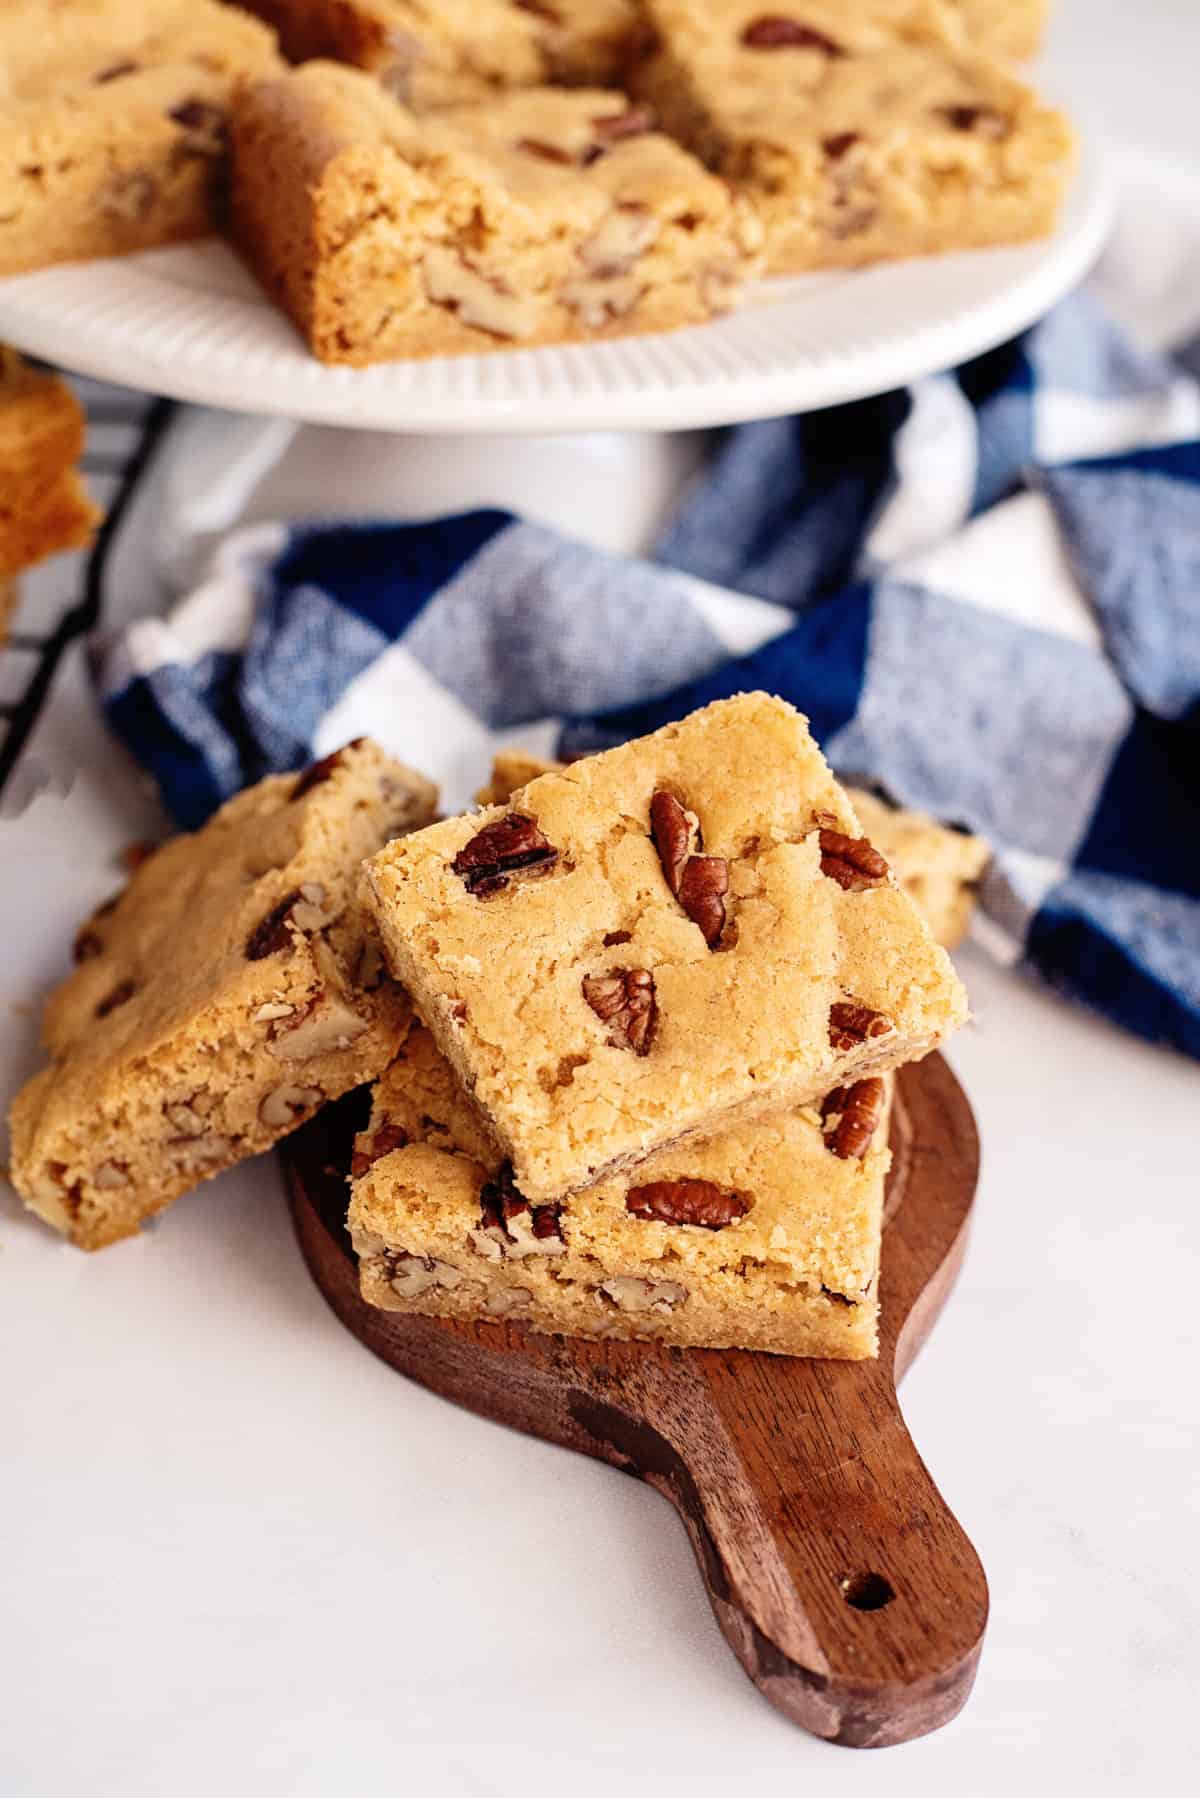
<point>984,593</point>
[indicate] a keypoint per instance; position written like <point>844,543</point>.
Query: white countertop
<point>242,1554</point>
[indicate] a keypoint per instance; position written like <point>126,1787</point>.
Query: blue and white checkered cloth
<point>984,593</point>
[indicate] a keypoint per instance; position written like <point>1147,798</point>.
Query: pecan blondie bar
<point>433,53</point>
<point>660,940</point>
<point>228,992</point>
<point>43,505</point>
<point>856,141</point>
<point>544,216</point>
<point>765,1236</point>
<point>112,122</point>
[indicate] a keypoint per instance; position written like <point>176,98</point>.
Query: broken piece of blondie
<point>541,217</point>
<point>858,137</point>
<point>658,941</point>
<point>229,991</point>
<point>43,506</point>
<point>113,122</point>
<point>765,1236</point>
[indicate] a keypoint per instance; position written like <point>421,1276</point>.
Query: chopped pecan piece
<point>316,772</point>
<point>274,932</point>
<point>478,296</point>
<point>852,861</point>
<point>136,855</point>
<point>984,120</point>
<point>512,845</point>
<point>120,995</point>
<point>284,1106</point>
<point>205,127</point>
<point>413,1275</point>
<point>699,882</point>
<point>128,196</point>
<point>534,146</point>
<point>702,895</point>
<point>624,1000</point>
<point>776,31</point>
<point>857,1110</point>
<point>628,1293</point>
<point>687,1201</point>
<point>384,1141</point>
<point>836,146</point>
<point>611,128</point>
<point>499,1200</point>
<point>547,1224</point>
<point>851,1025</point>
<point>508,1227</point>
<point>675,831</point>
<point>88,941</point>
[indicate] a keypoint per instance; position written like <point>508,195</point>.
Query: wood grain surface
<point>842,1582</point>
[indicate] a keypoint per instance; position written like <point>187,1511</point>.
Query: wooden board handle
<point>845,1587</point>
<point>839,1576</point>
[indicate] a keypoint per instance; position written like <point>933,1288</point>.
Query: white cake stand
<point>190,323</point>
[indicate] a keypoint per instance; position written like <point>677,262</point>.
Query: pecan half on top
<point>852,861</point>
<point>853,1114</point>
<point>851,1025</point>
<point>88,940</point>
<point>778,31</point>
<point>275,932</point>
<point>317,772</point>
<point>687,1201</point>
<point>512,845</point>
<point>545,152</point>
<point>624,1000</point>
<point>120,995</point>
<point>613,127</point>
<point>699,882</point>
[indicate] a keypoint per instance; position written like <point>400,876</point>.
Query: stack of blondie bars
<point>450,176</point>
<point>659,995</point>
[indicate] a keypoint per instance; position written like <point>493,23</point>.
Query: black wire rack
<point>29,658</point>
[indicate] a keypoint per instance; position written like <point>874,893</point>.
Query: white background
<point>239,1554</point>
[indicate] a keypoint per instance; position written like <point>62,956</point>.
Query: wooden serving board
<point>843,1584</point>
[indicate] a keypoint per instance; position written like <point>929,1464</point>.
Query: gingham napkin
<point>983,592</point>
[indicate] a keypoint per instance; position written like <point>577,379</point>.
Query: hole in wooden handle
<point>867,1591</point>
